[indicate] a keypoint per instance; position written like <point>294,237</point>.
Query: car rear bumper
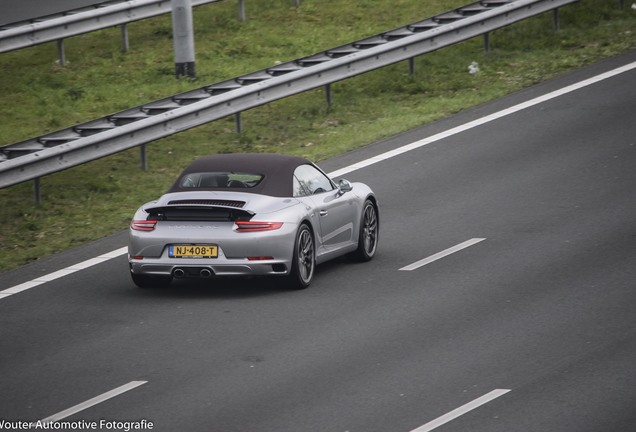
<point>198,268</point>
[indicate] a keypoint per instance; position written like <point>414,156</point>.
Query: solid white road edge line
<point>64,272</point>
<point>94,401</point>
<point>384,156</point>
<point>442,254</point>
<point>483,120</point>
<point>458,412</point>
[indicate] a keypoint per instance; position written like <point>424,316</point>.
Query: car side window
<point>299,190</point>
<point>308,181</point>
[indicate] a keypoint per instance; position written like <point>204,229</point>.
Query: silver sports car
<point>250,215</point>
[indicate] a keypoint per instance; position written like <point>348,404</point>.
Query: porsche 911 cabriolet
<point>251,215</point>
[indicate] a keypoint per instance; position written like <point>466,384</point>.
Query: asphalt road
<point>543,307</point>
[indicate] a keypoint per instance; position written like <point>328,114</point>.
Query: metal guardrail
<point>84,20</point>
<point>34,158</point>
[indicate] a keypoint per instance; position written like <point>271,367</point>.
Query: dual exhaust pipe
<point>203,273</point>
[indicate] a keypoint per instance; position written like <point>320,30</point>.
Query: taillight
<point>143,225</point>
<point>252,226</point>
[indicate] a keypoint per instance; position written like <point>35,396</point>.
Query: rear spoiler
<point>196,212</point>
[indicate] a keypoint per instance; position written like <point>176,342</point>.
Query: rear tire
<point>369,233</point>
<point>144,281</point>
<point>303,259</point>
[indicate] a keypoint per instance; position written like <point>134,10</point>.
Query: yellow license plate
<point>192,251</point>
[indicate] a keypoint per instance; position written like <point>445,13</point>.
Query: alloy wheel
<point>370,229</point>
<point>305,257</point>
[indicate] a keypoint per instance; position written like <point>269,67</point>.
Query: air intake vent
<point>224,203</point>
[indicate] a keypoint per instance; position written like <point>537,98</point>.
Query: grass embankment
<point>97,199</point>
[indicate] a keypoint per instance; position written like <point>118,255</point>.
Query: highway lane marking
<point>458,412</point>
<point>64,272</point>
<point>442,254</point>
<point>379,158</point>
<point>94,401</point>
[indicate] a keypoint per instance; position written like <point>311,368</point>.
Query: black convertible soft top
<point>277,171</point>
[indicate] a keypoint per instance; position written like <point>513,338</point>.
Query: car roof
<point>277,171</point>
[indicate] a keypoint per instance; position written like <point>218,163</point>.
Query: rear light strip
<point>143,225</point>
<point>239,226</point>
<point>252,226</point>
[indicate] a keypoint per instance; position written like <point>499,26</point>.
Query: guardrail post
<point>556,23</point>
<point>242,10</point>
<point>183,37</point>
<point>60,52</point>
<point>37,191</point>
<point>487,42</point>
<point>239,124</point>
<point>125,45</point>
<point>328,94</point>
<point>412,66</point>
<point>144,157</point>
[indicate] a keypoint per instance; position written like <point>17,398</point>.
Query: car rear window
<point>220,180</point>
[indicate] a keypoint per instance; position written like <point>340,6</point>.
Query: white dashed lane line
<point>92,402</point>
<point>458,412</point>
<point>442,254</point>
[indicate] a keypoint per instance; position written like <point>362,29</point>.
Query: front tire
<point>303,260</point>
<point>369,233</point>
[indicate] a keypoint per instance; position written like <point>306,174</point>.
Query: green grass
<point>91,201</point>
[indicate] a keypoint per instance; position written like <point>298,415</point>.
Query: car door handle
<point>324,212</point>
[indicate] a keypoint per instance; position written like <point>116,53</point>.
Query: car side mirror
<point>344,186</point>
